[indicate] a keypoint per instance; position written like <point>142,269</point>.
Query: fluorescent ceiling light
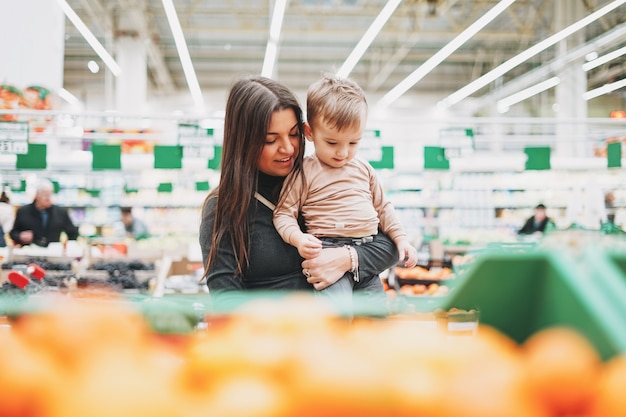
<point>271,50</point>
<point>500,70</point>
<point>507,102</point>
<point>90,38</point>
<point>69,97</point>
<point>444,52</point>
<point>604,59</point>
<point>93,66</point>
<point>183,53</point>
<point>605,89</point>
<point>367,38</point>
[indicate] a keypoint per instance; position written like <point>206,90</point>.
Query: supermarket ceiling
<point>229,37</point>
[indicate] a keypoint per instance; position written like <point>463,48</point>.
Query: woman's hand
<point>326,269</point>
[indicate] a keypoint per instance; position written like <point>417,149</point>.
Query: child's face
<point>332,146</point>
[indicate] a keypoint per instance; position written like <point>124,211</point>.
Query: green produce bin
<point>608,270</point>
<point>520,294</point>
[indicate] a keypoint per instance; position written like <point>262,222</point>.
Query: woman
<point>241,250</point>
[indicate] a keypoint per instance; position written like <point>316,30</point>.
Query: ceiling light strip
<point>444,53</point>
<point>507,102</point>
<point>500,70</point>
<point>183,53</point>
<point>615,35</point>
<point>69,97</point>
<point>271,50</point>
<point>605,89</point>
<point>368,38</point>
<point>604,59</point>
<point>90,38</point>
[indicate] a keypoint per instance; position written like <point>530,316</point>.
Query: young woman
<point>241,249</point>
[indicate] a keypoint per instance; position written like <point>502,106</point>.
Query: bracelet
<point>354,263</point>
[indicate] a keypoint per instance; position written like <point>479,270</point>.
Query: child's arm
<point>286,221</point>
<point>308,245</point>
<point>407,252</point>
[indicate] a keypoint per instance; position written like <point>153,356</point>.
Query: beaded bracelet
<point>354,263</point>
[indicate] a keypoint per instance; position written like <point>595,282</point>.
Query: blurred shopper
<point>241,249</point>
<point>41,221</point>
<point>131,226</point>
<point>609,204</point>
<point>7,217</point>
<point>537,222</point>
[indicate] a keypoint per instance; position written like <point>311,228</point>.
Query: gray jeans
<point>364,298</point>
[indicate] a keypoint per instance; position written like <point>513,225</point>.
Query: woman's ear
<point>307,132</point>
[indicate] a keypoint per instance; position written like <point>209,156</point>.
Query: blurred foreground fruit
<point>292,357</point>
<point>563,370</point>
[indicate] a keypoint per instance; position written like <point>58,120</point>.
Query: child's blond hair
<point>337,102</point>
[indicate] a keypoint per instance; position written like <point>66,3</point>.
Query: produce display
<point>419,281</point>
<point>292,357</point>
<point>114,275</point>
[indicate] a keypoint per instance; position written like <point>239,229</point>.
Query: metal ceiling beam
<point>145,28</point>
<point>614,36</point>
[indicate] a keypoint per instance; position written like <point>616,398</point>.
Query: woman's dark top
<point>274,264</point>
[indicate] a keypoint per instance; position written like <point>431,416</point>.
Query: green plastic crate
<point>520,294</point>
<point>608,270</point>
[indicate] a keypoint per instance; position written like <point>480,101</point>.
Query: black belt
<point>349,240</point>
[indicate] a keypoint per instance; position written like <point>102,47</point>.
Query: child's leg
<point>369,297</point>
<point>340,295</point>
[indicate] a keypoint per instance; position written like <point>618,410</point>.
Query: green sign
<point>386,160</point>
<point>202,186</point>
<point>214,163</point>
<point>106,157</point>
<point>614,155</point>
<point>35,158</point>
<point>168,157</point>
<point>165,187</point>
<point>538,158</point>
<point>435,158</point>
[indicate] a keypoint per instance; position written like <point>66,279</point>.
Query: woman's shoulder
<point>210,204</point>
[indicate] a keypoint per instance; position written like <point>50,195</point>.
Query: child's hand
<point>408,254</point>
<point>309,246</point>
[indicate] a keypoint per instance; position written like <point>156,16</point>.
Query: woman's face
<point>282,142</point>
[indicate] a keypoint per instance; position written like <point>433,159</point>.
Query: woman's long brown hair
<point>249,109</point>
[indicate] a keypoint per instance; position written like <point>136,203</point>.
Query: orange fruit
<point>563,370</point>
<point>28,381</point>
<point>610,400</point>
<point>75,331</point>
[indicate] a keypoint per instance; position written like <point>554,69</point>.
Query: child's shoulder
<point>362,163</point>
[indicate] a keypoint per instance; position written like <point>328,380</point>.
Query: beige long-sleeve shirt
<point>337,202</point>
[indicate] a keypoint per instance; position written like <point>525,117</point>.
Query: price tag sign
<point>197,142</point>
<point>456,142</point>
<point>13,138</point>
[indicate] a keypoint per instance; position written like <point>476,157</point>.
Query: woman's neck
<point>269,186</point>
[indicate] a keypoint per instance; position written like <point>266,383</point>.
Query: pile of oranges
<point>292,357</point>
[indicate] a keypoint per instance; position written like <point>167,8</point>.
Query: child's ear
<point>307,131</point>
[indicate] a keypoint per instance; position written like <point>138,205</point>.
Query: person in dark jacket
<point>41,221</point>
<point>537,223</point>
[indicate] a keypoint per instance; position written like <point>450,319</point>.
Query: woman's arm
<point>333,263</point>
<point>221,276</point>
